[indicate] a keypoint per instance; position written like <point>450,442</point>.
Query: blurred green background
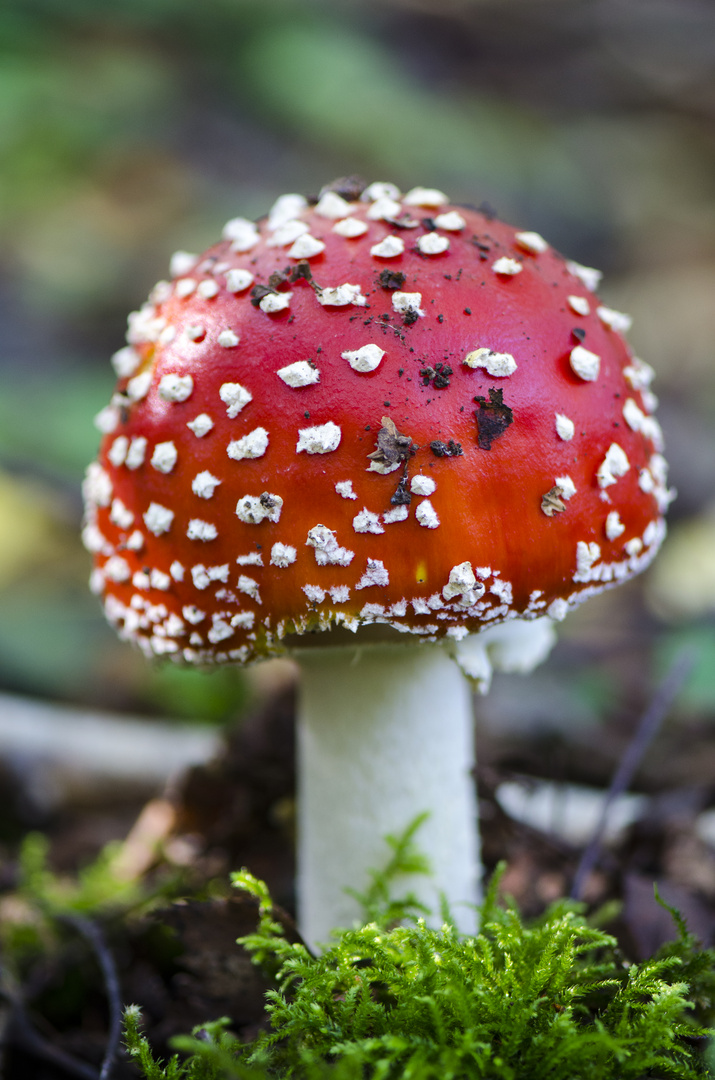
<point>131,129</point>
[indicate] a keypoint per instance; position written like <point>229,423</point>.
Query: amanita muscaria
<point>385,433</point>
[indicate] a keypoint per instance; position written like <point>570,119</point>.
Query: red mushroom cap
<point>373,409</point>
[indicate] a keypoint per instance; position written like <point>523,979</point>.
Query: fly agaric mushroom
<point>385,434</point>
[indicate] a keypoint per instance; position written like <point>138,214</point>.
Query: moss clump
<point>553,999</point>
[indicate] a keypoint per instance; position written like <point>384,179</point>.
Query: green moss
<point>551,999</point>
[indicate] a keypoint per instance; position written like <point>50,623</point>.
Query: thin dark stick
<point>24,1034</point>
<point>651,720</point>
<point>27,1038</point>
<point>19,1031</point>
<point>91,932</point>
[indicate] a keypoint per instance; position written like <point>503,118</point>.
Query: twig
<point>18,1030</point>
<point>24,1036</point>
<point>22,1032</point>
<point>650,722</point>
<point>91,932</point>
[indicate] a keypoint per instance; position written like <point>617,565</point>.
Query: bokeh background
<point>131,129</point>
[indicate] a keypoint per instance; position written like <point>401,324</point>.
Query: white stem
<point>384,733</point>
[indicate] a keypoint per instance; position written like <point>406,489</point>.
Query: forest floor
<point>177,958</point>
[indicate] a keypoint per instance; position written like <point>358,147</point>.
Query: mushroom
<point>399,440</point>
